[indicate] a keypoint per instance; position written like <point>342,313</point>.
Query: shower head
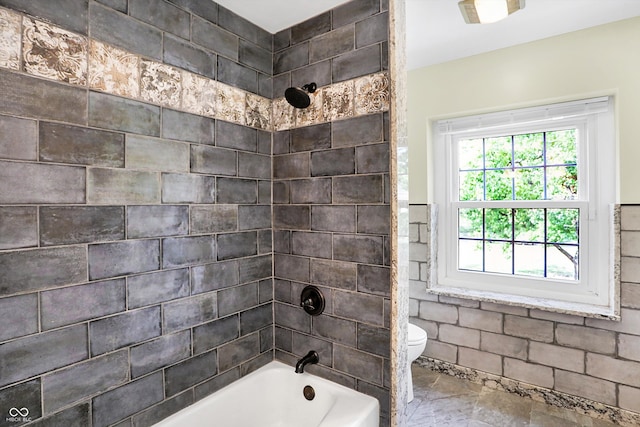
<point>299,96</point>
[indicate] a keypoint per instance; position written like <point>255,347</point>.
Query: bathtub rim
<point>274,365</point>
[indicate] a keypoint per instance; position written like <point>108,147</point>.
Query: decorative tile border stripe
<point>47,51</point>
<point>9,40</point>
<point>352,98</point>
<point>540,394</point>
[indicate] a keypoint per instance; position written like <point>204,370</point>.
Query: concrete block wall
<point>590,358</point>
<point>331,211</point>
<point>135,239</point>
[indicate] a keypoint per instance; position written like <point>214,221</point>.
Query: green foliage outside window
<point>527,167</point>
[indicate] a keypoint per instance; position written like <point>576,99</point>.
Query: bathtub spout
<point>310,358</point>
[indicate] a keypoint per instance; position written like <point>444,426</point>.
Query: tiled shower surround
<point>144,145</point>
<point>592,365</point>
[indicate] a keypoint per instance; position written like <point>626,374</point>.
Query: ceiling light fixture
<point>488,11</point>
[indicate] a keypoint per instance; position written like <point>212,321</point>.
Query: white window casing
<point>594,293</point>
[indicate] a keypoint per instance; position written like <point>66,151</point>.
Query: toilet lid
<point>416,334</point>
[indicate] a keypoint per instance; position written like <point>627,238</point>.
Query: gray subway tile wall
<point>330,44</point>
<point>212,37</point>
<point>60,143</point>
<point>206,10</point>
<point>55,266</point>
<point>27,392</point>
<point>59,307</point>
<point>256,57</point>
<point>18,87</point>
<point>35,355</point>
<point>93,376</point>
<point>18,227</point>
<point>118,29</point>
<point>18,138</point>
<point>247,31</point>
<point>237,75</point>
<point>20,316</point>
<point>71,14</point>
<point>164,16</point>
<point>190,372</point>
<point>188,188</point>
<point>185,55</point>
<point>137,241</point>
<point>315,26</point>
<point>595,361</point>
<point>97,274</point>
<point>124,401</point>
<point>42,183</point>
<point>331,213</point>
<point>157,287</point>
<point>367,60</point>
<point>124,115</point>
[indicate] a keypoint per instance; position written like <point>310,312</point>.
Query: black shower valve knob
<point>312,300</point>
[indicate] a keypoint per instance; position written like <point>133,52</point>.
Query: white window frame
<point>594,294</point>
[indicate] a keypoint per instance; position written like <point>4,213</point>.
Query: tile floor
<point>444,401</point>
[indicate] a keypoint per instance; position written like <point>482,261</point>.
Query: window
<point>525,206</point>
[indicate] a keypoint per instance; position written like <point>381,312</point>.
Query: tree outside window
<point>528,241</point>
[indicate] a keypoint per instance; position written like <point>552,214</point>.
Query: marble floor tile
<point>446,386</point>
<point>445,401</point>
<point>500,408</point>
<point>541,419</point>
<point>542,411</point>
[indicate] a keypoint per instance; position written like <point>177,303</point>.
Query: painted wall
<point>596,61</point>
<point>136,240</point>
<point>595,360</point>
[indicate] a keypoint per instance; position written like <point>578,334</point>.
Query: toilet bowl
<point>417,343</point>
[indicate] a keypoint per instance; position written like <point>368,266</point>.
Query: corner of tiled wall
<point>139,188</point>
<point>331,196</point>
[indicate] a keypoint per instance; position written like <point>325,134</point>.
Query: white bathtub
<point>273,396</point>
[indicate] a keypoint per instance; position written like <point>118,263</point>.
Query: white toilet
<point>417,343</point>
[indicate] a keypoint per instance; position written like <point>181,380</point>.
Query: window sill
<point>575,309</point>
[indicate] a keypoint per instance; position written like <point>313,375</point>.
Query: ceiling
<point>436,31</point>
<point>276,15</point>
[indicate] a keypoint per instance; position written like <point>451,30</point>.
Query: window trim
<point>595,294</point>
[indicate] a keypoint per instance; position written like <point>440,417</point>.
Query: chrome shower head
<point>299,96</point>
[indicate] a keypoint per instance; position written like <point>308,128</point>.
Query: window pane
<point>470,154</point>
<point>498,257</point>
<point>499,185</point>
<point>538,242</point>
<point>470,255</point>
<point>562,225</point>
<point>529,259</point>
<point>562,147</point>
<point>562,183</point>
<point>528,149</point>
<point>498,224</point>
<point>471,186</point>
<point>529,184</point>
<point>498,152</point>
<point>470,223</point>
<point>562,262</point>
<point>529,225</point>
